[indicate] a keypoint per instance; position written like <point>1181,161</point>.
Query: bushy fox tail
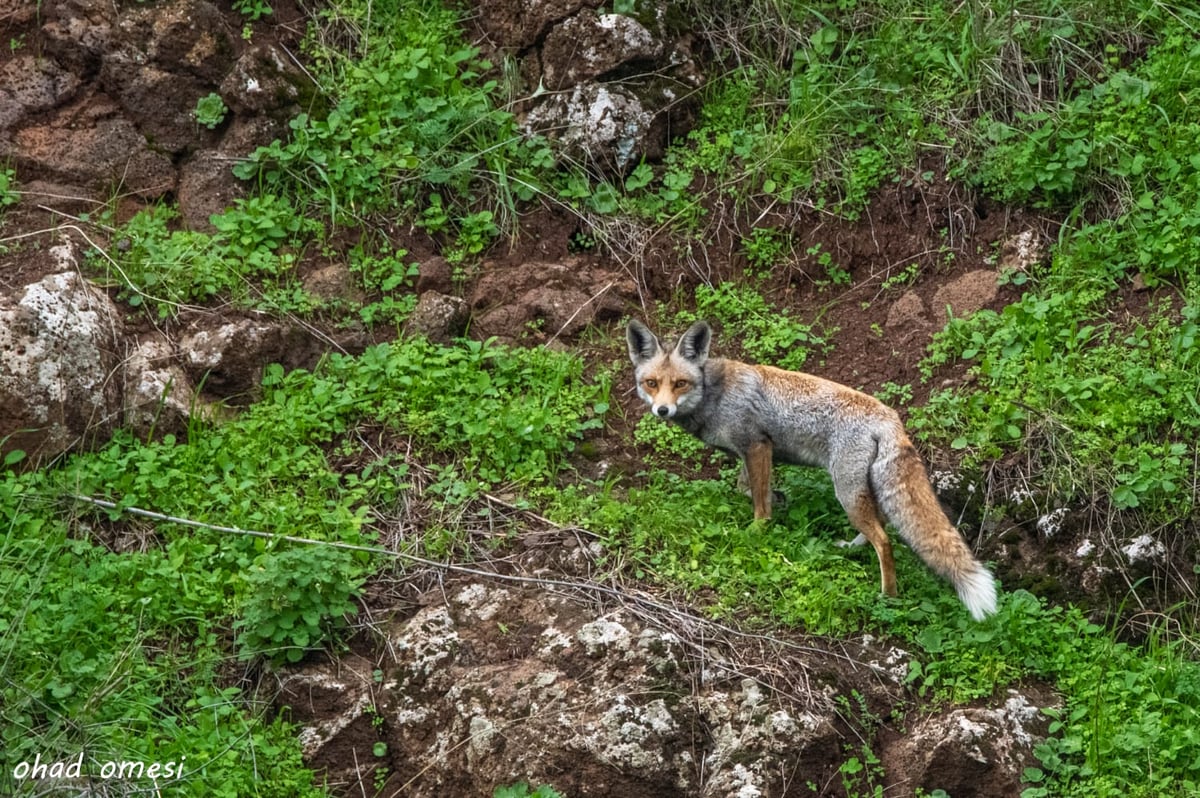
<point>904,494</point>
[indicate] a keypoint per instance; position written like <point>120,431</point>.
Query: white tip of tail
<point>977,590</point>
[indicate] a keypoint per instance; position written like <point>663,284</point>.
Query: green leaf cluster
<point>410,117</point>
<point>765,333</point>
<point>295,599</point>
<point>1100,398</point>
<point>257,240</point>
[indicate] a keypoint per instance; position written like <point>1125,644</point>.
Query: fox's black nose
<point>663,411</point>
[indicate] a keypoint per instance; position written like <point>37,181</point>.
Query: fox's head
<point>670,382</point>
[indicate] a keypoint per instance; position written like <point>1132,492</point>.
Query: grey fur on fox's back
<point>765,415</point>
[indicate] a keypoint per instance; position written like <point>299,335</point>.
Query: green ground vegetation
<point>117,631</point>
<point>117,649</point>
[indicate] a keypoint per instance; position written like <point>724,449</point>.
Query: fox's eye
<point>679,385</point>
<point>652,384</point>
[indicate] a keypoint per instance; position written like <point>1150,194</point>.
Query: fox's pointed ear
<point>643,345</point>
<point>693,344</point>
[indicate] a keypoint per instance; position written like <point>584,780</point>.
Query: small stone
<point>438,317</point>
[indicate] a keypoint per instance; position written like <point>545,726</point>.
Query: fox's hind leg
<point>855,496</point>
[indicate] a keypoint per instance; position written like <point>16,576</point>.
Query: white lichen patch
<point>892,662</point>
<point>427,639</point>
<point>481,602</point>
<point>64,257</point>
<point>743,783</point>
<point>1021,714</point>
<point>602,635</point>
<point>594,118</point>
<point>554,642</point>
<point>483,740</point>
<point>628,32</point>
<point>628,735</point>
<point>1020,496</point>
<point>1050,523</point>
<point>1144,547</point>
<point>544,679</point>
<point>1021,251</point>
<point>57,339</point>
<point>659,649</point>
<point>969,735</point>
<point>70,325</point>
<point>410,716</point>
<point>314,736</point>
<point>945,480</point>
<point>747,720</point>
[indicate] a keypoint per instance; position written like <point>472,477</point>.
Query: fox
<point>764,415</point>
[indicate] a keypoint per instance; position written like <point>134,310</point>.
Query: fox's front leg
<point>756,468</point>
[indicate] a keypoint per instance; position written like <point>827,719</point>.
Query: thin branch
<point>588,586</point>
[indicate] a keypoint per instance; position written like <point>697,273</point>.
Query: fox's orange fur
<point>765,415</point>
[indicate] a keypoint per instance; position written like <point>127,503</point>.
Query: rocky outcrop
<point>974,752</point>
<point>70,372</point>
<point>969,292</point>
<point>547,300</point>
<point>158,397</point>
<point>59,351</point>
<point>229,353</point>
<point>489,684</point>
<point>109,102</point>
<point>608,88</point>
<point>439,317</point>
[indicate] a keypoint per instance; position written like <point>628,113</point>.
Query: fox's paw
<point>858,541</point>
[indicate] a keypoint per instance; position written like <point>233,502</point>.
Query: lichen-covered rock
<point>972,752</point>
<point>206,188</point>
<point>608,88</point>
<point>107,104</point>
<point>162,102</point>
<point>519,24</point>
<point>227,355</point>
<point>180,36</point>
<point>158,396</point>
<point>500,684</point>
<point>58,356</point>
<point>29,84</point>
<point>77,147</point>
<point>602,124</point>
<point>1021,251</point>
<point>263,81</point>
<point>588,45</point>
<point>439,317</point>
<point>161,62</point>
<point>78,32</point>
